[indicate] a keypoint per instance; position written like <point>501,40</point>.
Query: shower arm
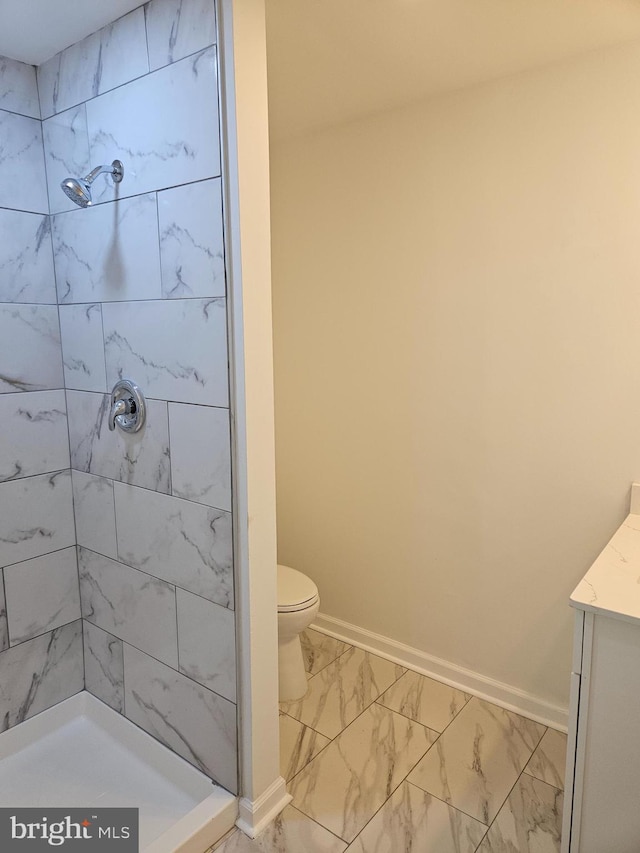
<point>115,169</point>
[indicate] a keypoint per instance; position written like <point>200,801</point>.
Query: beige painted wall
<point>456,295</point>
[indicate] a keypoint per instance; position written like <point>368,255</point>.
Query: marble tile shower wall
<point>141,290</point>
<point>41,659</point>
<point>133,286</point>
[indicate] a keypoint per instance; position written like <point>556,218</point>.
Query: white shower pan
<point>82,753</point>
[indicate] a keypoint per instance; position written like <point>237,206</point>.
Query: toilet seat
<point>295,590</point>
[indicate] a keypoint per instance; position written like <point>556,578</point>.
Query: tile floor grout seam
<point>288,781</point>
<point>378,701</point>
<point>404,778</point>
<point>402,781</point>
<point>313,674</point>
<point>544,781</point>
<point>512,788</point>
<point>546,728</point>
<point>373,701</point>
<point>322,749</point>
<point>451,806</point>
<point>418,788</point>
<point>317,823</point>
<point>331,740</point>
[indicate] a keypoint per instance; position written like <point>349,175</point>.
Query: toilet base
<point>292,679</point>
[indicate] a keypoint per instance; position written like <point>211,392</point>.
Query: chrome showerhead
<point>79,189</point>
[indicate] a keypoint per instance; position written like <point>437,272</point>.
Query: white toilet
<point>298,604</point>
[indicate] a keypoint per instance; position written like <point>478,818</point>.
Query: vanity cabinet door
<point>606,789</point>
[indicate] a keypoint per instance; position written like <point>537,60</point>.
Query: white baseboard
<point>255,815</point>
<point>479,685</point>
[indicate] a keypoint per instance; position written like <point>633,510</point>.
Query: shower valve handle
<point>121,407</point>
<point>128,408</point>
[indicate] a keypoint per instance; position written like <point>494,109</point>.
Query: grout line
<point>104,343</point>
<point>27,213</point>
<point>145,10</point>
<point>124,482</point>
<point>115,200</point>
<point>6,613</point>
<point>405,778</point>
<point>402,781</point>
<point>544,781</point>
<point>39,473</point>
<point>45,633</point>
<point>328,688</point>
<point>171,460</point>
<point>135,79</point>
<point>39,556</point>
<point>164,663</point>
<point>331,740</point>
<point>511,789</point>
<point>322,668</point>
<point>313,820</point>
<point>147,573</point>
<point>24,115</point>
<point>43,473</point>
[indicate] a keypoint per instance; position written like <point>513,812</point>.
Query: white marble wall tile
<point>548,761</point>
<point>298,745</point>
<point>194,722</point>
<point>66,153</point>
<point>83,347</point>
<point>529,822</point>
<point>345,785</point>
<point>177,28</point>
<point>37,426</point>
<point>108,58</point>
<point>30,351</point>
<point>26,258</point>
<point>140,458</point>
<point>103,666</point>
<point>159,148</point>
<point>207,643</point>
<point>181,542</point>
<point>4,629</point>
<point>42,594</point>
<point>477,760</point>
<point>108,252</point>
<point>40,673</point>
<point>175,349</point>
<point>191,240</point>
<point>95,513</point>
<point>201,454</point>
<point>18,88</point>
<point>36,518</point>
<point>428,824</point>
<point>23,183</point>
<point>342,690</point>
<point>422,699</point>
<point>290,831</point>
<point>129,604</point>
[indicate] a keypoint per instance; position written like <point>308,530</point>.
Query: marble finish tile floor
<point>384,760</point>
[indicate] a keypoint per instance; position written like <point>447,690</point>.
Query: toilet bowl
<point>298,604</point>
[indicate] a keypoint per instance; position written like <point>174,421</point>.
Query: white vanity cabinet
<point>602,796</point>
